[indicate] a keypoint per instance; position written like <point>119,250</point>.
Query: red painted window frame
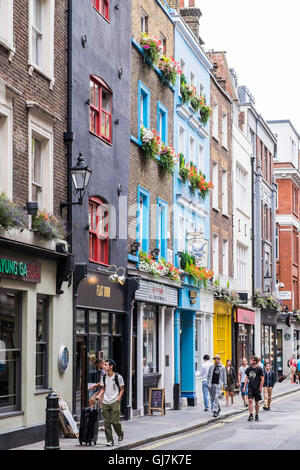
<point>99,110</point>
<point>99,6</point>
<point>98,242</point>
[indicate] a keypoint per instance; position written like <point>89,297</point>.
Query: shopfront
<point>269,336</point>
<point>152,336</point>
<point>244,321</point>
<point>35,323</point>
<point>222,330</point>
<point>100,322</point>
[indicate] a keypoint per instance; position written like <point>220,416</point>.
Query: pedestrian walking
<point>269,382</point>
<point>298,368</point>
<point>241,379</point>
<point>113,386</point>
<point>255,381</point>
<point>205,390</point>
<point>293,368</point>
<point>94,388</point>
<point>216,380</point>
<point>231,381</point>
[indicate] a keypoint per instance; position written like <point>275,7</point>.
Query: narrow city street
<point>277,429</point>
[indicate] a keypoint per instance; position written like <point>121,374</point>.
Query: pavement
<point>143,430</point>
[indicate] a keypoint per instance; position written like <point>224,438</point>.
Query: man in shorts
<point>255,381</point>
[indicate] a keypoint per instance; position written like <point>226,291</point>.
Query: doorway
<point>81,374</point>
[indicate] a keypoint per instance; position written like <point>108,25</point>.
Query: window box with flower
<point>169,69</point>
<point>48,227</point>
<point>152,47</point>
<point>11,215</point>
<point>158,268</point>
<point>151,143</point>
<point>167,159</point>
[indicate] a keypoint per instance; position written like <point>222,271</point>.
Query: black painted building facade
<point>98,125</point>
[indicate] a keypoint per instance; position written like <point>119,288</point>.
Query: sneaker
<point>256,418</point>
<point>265,408</point>
<point>205,409</point>
<point>215,414</point>
<point>109,444</point>
<point>250,418</point>
<point>120,439</point>
<point>269,409</point>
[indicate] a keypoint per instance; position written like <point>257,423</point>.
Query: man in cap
<point>216,380</point>
<point>113,386</point>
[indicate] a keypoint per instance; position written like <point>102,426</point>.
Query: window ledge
<point>11,414</point>
<point>41,391</point>
<point>102,16</point>
<point>226,215</point>
<point>216,209</point>
<point>215,138</point>
<point>101,138</point>
<point>32,67</point>
<point>11,49</point>
<point>225,148</point>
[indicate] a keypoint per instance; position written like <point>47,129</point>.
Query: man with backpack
<point>112,386</point>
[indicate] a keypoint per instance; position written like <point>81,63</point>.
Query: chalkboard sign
<point>157,400</point>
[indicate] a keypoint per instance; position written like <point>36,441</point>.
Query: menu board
<point>157,400</point>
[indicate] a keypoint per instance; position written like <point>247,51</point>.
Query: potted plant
<point>152,47</point>
<point>205,112</point>
<point>11,215</point>
<point>186,90</point>
<point>47,226</point>
<point>151,143</point>
<point>200,275</point>
<point>186,259</point>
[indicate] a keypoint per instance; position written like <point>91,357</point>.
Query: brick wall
<point>220,224</point>
<point>37,88</point>
<point>148,174</point>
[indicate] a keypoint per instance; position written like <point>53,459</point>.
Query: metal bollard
<point>52,422</point>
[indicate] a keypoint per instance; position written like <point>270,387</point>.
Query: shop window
<point>10,352</point>
<point>102,6</point>
<point>41,31</point>
<point>150,342</point>
<point>41,362</point>
<point>98,231</point>
<point>100,109</point>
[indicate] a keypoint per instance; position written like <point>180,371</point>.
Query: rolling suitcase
<point>89,422</point>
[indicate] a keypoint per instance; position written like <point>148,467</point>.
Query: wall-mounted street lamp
<point>114,277</point>
<point>80,174</point>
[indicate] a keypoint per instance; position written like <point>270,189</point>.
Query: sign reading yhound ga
<point>21,270</point>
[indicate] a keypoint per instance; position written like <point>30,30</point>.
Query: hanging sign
<point>198,247</point>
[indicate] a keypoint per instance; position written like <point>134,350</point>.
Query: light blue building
<point>191,211</point>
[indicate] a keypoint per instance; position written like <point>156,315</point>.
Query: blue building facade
<point>191,210</point>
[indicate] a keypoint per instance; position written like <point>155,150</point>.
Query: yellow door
<point>222,331</point>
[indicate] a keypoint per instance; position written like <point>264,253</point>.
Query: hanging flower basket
<point>152,47</point>
<point>169,68</point>
<point>183,168</point>
<point>11,215</point>
<point>47,226</point>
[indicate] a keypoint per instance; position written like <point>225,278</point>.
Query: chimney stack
<point>190,14</point>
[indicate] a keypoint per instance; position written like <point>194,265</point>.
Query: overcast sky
<point>262,42</point>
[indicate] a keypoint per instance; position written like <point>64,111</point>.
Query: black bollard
<point>52,422</point>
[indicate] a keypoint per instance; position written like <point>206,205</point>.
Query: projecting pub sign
<point>19,270</point>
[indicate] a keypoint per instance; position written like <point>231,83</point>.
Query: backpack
<point>116,379</point>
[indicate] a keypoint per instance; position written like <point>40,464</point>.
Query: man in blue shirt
<point>269,383</point>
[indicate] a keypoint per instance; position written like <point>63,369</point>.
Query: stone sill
<point>28,237</point>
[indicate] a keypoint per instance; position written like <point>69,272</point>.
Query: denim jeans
<point>206,393</point>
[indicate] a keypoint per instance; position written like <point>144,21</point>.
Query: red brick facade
<point>36,87</point>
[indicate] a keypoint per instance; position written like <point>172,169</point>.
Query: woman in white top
<point>242,378</point>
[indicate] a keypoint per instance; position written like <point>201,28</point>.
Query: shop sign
<point>193,296</point>
<point>285,295</point>
<point>198,247</point>
<point>157,293</point>
<point>63,359</point>
<point>21,270</point>
<point>97,291</point>
<point>287,336</point>
<point>245,316</point>
<point>102,291</point>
